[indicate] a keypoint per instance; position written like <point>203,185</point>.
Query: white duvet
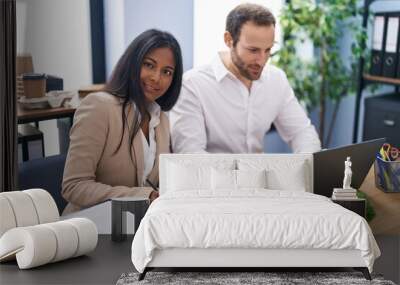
<point>250,219</point>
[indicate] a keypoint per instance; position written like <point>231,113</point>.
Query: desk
<point>36,115</point>
<point>102,266</point>
<point>386,207</point>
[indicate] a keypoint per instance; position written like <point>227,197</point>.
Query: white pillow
<point>223,179</point>
<point>193,174</point>
<point>251,178</point>
<point>282,173</point>
<point>292,179</point>
<point>182,177</point>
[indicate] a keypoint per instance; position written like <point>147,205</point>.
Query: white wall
<point>57,35</point>
<point>114,32</point>
<point>126,19</point>
<point>209,25</point>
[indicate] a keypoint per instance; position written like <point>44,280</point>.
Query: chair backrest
<point>46,173</point>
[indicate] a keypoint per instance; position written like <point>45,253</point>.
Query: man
<point>229,105</point>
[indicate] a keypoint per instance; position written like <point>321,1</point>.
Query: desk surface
<point>102,266</point>
<point>35,115</point>
<point>386,207</point>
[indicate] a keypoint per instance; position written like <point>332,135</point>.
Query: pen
<point>152,185</point>
<point>383,154</point>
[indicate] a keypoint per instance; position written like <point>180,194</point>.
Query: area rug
<point>273,278</point>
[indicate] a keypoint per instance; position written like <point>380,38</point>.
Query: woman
<point>118,134</point>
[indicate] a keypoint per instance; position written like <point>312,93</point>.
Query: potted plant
<point>326,76</point>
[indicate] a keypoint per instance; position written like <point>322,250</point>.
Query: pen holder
<point>387,175</point>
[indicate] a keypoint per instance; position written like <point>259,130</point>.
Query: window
<point>209,26</point>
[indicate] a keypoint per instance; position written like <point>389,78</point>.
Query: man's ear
<point>228,39</point>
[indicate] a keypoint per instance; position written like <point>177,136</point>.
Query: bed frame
<point>242,259</point>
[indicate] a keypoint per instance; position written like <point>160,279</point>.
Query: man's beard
<point>244,69</point>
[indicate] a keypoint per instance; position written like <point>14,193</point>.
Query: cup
<point>34,85</point>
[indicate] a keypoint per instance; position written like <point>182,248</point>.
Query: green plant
<point>370,214</point>
<point>326,76</point>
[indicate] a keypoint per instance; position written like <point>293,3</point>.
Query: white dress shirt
<point>149,147</point>
<point>216,113</point>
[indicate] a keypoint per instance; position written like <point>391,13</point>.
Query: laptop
<point>329,165</point>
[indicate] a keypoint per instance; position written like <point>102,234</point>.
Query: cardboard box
<point>34,85</point>
<point>23,64</point>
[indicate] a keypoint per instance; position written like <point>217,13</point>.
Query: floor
<point>102,266</point>
<point>389,262</point>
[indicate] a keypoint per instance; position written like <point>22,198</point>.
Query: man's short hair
<point>247,12</point>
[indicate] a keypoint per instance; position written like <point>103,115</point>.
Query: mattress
<point>250,219</point>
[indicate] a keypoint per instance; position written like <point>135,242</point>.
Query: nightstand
<point>119,208</point>
<point>358,206</point>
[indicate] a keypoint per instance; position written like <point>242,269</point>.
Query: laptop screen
<point>329,165</point>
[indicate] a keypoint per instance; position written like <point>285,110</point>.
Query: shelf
<point>381,79</point>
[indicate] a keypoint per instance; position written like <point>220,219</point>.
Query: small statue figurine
<point>347,174</point>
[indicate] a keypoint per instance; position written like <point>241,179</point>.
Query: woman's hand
<point>153,195</point>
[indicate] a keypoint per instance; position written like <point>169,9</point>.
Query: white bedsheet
<point>250,219</point>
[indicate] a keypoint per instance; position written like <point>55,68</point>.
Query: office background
<point>58,35</point>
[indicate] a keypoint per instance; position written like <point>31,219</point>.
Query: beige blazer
<point>93,172</point>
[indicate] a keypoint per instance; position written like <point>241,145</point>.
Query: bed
<point>247,210</point>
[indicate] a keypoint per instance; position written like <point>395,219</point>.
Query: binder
<point>378,42</point>
<point>390,58</point>
<point>398,51</point>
